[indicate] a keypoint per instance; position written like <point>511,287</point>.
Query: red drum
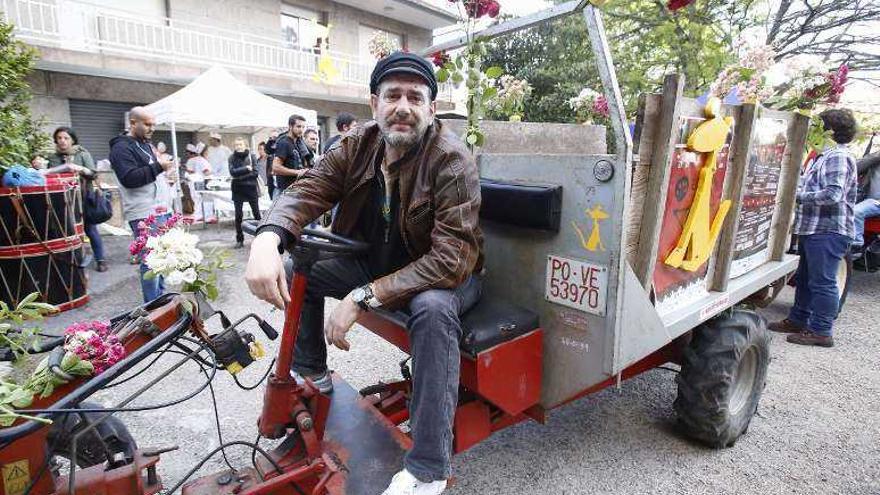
<point>41,233</point>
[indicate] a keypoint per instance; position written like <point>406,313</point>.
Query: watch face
<point>359,294</point>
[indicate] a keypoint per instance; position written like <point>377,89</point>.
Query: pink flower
<point>674,5</point>
<point>479,8</point>
<point>600,106</point>
<point>440,58</point>
<point>837,81</point>
<point>493,9</point>
<point>94,342</point>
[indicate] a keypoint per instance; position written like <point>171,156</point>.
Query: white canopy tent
<point>217,101</point>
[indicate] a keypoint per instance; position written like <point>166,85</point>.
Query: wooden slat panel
<point>644,136</point>
<point>739,163</point>
<point>791,172</point>
<point>658,177</point>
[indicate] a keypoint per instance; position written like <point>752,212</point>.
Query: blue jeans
<point>816,297</point>
<point>434,333</point>
<point>155,287</point>
<point>866,209</point>
<point>95,240</point>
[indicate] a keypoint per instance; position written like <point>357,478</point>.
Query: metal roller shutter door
<point>96,122</point>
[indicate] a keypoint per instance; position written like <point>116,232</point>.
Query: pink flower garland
<point>93,341</point>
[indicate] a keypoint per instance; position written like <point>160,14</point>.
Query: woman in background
<point>243,169</point>
<point>69,152</point>
<point>198,171</point>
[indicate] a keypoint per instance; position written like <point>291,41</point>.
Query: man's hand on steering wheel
<point>265,271</point>
<point>341,320</point>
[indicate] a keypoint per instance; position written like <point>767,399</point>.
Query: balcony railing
<point>86,27</point>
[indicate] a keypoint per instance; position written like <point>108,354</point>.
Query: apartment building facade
<point>99,58</point>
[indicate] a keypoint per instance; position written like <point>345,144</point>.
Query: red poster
<point>682,186</point>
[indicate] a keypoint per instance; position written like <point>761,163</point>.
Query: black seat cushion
<point>493,321</point>
<point>527,206</point>
<point>490,322</point>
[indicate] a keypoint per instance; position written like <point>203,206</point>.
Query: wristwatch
<point>363,297</point>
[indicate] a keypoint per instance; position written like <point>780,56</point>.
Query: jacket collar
<point>376,146</point>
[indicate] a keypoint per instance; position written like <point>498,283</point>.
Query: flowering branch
<point>511,98</point>
<point>467,66</point>
<point>89,349</point>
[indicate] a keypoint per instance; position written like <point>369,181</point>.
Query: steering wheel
<point>314,243</point>
<point>325,241</point>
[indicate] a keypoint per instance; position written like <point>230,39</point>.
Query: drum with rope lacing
<point>41,233</point>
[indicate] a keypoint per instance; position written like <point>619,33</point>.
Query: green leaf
<point>471,139</point>
<point>31,314</point>
<point>44,307</point>
<point>494,72</point>
<point>21,398</point>
<point>211,292</point>
<point>149,275</point>
<point>457,78</point>
<point>29,299</point>
<point>489,93</point>
<point>442,75</point>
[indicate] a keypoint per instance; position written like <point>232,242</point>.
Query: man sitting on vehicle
<point>870,206</point>
<point>824,226</point>
<point>410,188</point>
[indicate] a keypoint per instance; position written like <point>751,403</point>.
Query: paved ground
<point>817,432</point>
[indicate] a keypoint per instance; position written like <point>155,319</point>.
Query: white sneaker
<point>404,483</point>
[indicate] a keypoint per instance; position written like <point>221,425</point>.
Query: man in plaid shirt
<point>825,229</point>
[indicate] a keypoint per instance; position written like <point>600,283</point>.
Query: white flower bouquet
<point>589,105</point>
<point>175,256</point>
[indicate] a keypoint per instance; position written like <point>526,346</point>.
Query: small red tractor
<point>600,266</point>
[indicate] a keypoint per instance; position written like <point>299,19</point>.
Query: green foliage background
<point>20,135</point>
<point>647,42</point>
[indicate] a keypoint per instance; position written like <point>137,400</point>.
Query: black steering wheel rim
<point>326,241</point>
<point>317,240</point>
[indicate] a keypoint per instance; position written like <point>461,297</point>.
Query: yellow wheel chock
<point>698,236</point>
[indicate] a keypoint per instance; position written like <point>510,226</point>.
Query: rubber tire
<point>90,449</point>
<point>709,373</point>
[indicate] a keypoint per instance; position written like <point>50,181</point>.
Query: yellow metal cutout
<point>700,232</point>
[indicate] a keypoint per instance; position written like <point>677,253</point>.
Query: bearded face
<point>403,109</point>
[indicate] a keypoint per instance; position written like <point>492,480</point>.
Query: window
<point>301,28</point>
<point>365,33</point>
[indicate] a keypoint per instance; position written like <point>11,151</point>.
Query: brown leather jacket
<point>439,206</point>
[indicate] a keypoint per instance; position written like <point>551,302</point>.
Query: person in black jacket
<point>143,185</point>
<point>270,156</point>
<point>243,169</point>
<point>344,123</point>
<point>292,156</point>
